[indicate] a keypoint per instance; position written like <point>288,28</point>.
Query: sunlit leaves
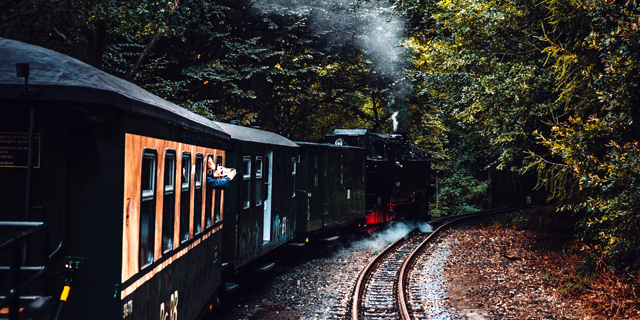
<point>555,78</point>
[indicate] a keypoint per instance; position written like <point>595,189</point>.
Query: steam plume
<point>370,26</point>
<point>396,231</point>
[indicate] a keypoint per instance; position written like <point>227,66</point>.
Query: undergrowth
<point>573,266</point>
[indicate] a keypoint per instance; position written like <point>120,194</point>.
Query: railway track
<point>381,291</point>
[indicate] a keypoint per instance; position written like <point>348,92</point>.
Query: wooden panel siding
<point>134,148</point>
<point>176,255</point>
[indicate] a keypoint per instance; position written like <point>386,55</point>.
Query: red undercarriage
<point>375,218</point>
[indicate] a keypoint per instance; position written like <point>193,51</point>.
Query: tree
<point>286,78</point>
<point>85,29</point>
<point>551,85</point>
<point>593,46</point>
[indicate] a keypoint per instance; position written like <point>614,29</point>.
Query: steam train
<point>104,200</point>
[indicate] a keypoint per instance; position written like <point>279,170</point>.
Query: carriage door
<point>266,195</point>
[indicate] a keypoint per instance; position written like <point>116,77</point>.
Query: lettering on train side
<point>127,309</point>
<point>170,313</point>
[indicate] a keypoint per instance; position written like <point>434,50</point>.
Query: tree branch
<point>551,163</point>
<point>144,55</point>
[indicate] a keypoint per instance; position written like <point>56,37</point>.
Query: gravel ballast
<point>472,272</point>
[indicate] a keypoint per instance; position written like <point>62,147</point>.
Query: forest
<point>503,96</point>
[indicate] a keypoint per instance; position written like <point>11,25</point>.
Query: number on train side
<point>172,312</point>
<point>127,309</point>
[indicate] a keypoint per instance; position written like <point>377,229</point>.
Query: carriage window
<point>364,169</point>
<point>185,197</point>
<point>208,201</point>
<point>246,182</point>
<point>186,170</point>
<point>315,171</point>
<point>197,179</point>
<point>293,176</point>
<point>342,169</point>
<point>169,202</point>
<point>258,193</point>
<point>218,203</point>
<point>147,207</point>
<point>379,149</point>
<point>266,177</point>
<point>197,195</point>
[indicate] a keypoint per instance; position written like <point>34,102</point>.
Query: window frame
<point>186,185</point>
<point>258,185</point>
<point>198,174</point>
<point>209,199</point>
<point>146,195</point>
<point>294,172</point>
<point>246,181</point>
<point>341,169</point>
<point>217,199</point>
<point>185,189</point>
<point>168,207</point>
<point>316,173</point>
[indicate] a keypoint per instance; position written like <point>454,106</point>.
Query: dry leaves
<point>505,273</point>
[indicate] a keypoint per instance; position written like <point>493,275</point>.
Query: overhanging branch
<point>549,162</point>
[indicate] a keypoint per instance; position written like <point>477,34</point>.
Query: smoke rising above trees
<point>375,29</point>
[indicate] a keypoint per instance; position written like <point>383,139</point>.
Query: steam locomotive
<point>104,200</point>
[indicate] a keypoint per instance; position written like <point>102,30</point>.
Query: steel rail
<point>408,262</point>
<point>406,266</point>
<point>479,213</point>
<point>366,272</point>
<point>445,222</point>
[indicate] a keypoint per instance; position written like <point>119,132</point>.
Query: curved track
<point>381,289</point>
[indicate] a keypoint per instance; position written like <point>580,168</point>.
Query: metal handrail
<point>14,246</point>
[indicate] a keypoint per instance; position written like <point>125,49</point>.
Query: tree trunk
<point>144,55</point>
<point>97,41</point>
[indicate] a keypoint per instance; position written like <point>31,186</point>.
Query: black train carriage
<point>331,193</point>
<point>117,173</point>
<point>260,212</point>
<point>397,175</point>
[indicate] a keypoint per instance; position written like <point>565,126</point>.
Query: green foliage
<point>551,86</point>
<point>459,188</point>
<point>545,219</point>
<point>283,83</point>
<point>597,75</point>
<point>481,88</point>
<point>217,58</point>
<point>502,89</point>
<point>460,194</point>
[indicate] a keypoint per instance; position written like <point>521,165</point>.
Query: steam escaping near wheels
<point>382,239</point>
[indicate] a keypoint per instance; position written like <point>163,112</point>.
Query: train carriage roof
<point>328,145</point>
<point>241,133</point>
<point>59,77</point>
<point>351,132</point>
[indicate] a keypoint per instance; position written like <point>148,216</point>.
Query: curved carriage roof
<point>328,145</point>
<point>59,77</point>
<point>255,135</point>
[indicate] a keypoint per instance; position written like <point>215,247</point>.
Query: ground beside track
<point>492,272</point>
<point>504,274</point>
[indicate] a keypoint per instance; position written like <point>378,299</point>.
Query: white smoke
<point>370,26</point>
<point>395,231</point>
<point>394,118</point>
